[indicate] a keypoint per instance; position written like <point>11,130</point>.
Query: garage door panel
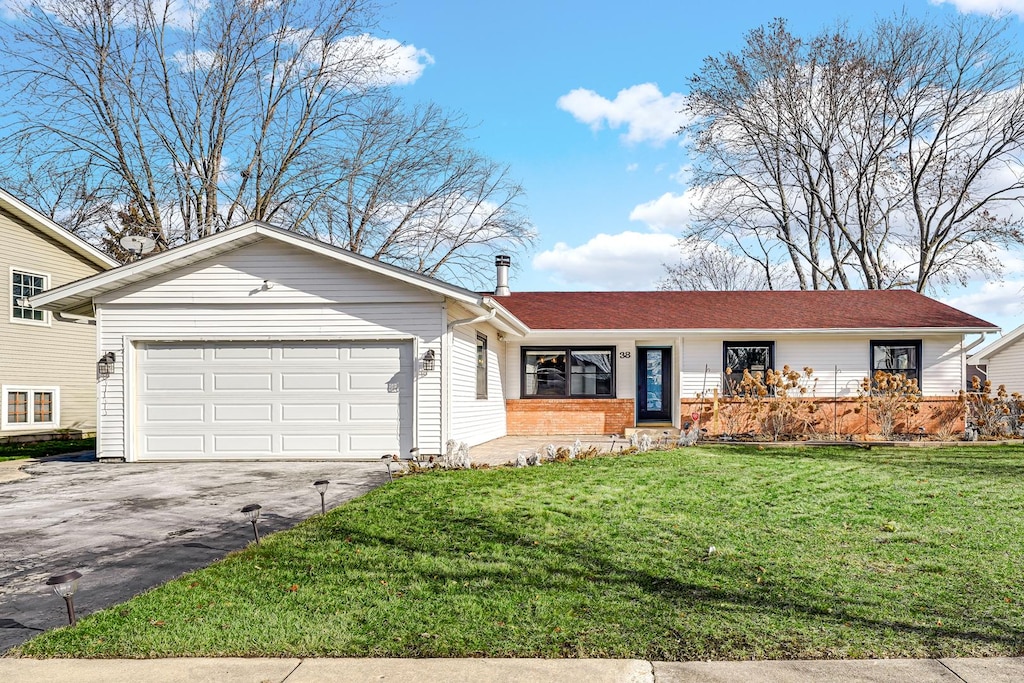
<point>273,400</point>
<point>311,443</point>
<point>225,381</point>
<point>302,353</point>
<point>301,381</point>
<point>172,352</point>
<point>157,382</point>
<point>257,412</point>
<point>310,412</point>
<point>242,353</point>
<point>181,445</point>
<point>187,413</point>
<point>243,444</point>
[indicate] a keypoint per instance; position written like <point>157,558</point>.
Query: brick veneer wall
<point>542,416</point>
<point>935,415</point>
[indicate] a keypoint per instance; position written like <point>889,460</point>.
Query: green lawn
<point>38,449</point>
<point>819,553</point>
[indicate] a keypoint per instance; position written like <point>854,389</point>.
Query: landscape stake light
<point>65,586</point>
<point>252,513</point>
<point>321,487</point>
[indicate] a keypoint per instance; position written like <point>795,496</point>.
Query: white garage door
<point>252,400</point>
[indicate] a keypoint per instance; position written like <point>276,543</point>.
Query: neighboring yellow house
<point>47,361</point>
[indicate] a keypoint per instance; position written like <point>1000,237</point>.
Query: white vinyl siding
<point>61,354</point>
<point>250,400</point>
<point>840,361</point>
<point>1006,367</point>
<point>225,301</point>
<point>476,420</point>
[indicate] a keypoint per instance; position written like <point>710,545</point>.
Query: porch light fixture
<point>321,487</point>
<point>65,586</point>
<point>252,513</point>
<point>428,361</point>
<point>105,365</point>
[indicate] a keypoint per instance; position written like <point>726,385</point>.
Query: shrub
<point>778,400</point>
<point>991,415</point>
<point>889,396</point>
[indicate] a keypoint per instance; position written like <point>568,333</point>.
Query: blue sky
<point>601,170</point>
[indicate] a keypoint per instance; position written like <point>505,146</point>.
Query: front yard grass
<point>39,449</point>
<point>818,553</point>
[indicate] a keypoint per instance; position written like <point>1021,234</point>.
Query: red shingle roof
<point>797,310</point>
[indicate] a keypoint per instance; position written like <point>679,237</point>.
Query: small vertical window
<point>24,285</point>
<point>17,407</point>
<point>481,366</point>
<point>42,402</point>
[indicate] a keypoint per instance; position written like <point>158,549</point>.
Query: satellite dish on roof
<point>138,244</point>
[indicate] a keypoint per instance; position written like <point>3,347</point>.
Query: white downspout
<point>470,321</point>
<point>72,318</point>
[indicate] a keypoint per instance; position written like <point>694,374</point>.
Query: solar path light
<point>252,513</point>
<point>65,586</point>
<point>321,487</point>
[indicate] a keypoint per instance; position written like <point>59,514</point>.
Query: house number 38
<point>624,354</point>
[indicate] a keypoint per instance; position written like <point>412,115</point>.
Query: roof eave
<point>641,332</point>
<point>48,227</point>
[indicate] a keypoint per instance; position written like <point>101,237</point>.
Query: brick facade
<point>938,416</point>
<point>541,417</point>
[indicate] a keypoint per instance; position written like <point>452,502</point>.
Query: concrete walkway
<point>991,670</point>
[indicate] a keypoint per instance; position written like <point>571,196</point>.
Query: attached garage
<point>257,343</point>
<point>280,399</point>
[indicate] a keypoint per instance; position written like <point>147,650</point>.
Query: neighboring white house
<point>1003,361</point>
<point>47,361</point>
<point>259,343</point>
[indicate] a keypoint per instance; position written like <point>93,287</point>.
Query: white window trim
<point>45,322</point>
<point>31,424</point>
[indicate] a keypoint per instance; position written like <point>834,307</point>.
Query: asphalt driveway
<point>129,527</point>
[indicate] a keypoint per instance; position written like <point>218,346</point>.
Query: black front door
<point>654,385</point>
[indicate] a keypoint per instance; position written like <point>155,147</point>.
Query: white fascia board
<point>647,333</point>
<point>998,345</point>
<point>54,231</point>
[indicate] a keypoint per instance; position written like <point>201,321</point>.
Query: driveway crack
<point>958,676</point>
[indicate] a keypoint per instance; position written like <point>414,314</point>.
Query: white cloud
<point>627,260</point>
<point>670,211</point>
<point>632,167</point>
<point>649,116</point>
<point>390,63</point>
<point>199,60</point>
<point>993,300</point>
<point>995,8</point>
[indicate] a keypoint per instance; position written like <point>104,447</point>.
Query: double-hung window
<point>29,407</point>
<point>568,372</point>
<point>901,356</point>
<point>756,357</point>
<point>23,285</point>
<point>481,366</point>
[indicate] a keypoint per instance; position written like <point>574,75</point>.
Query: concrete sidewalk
<point>989,670</point>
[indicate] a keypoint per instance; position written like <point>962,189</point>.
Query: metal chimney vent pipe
<point>502,263</point>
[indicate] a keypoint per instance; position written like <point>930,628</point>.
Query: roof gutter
<point>980,339</point>
<point>491,312</point>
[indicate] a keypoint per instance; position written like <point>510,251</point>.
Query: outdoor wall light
<point>428,361</point>
<point>105,365</point>
<point>321,487</point>
<point>252,513</point>
<point>65,586</point>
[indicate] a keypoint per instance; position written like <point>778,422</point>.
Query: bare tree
<point>198,116</point>
<point>886,159</point>
<point>706,266</point>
